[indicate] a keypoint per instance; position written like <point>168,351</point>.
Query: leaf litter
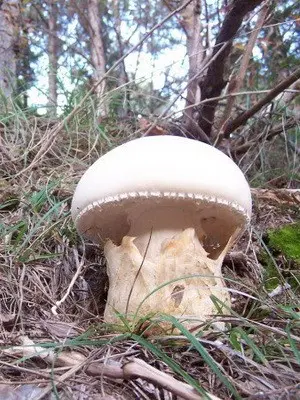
<point>73,355</point>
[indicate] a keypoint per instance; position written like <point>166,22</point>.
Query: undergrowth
<point>256,356</point>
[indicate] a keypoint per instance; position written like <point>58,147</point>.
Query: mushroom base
<point>180,283</point>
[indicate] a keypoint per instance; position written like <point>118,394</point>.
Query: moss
<point>286,240</point>
<point>282,260</point>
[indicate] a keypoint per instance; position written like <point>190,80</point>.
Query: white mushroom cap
<point>157,171</point>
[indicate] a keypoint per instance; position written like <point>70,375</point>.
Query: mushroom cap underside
<point>163,171</point>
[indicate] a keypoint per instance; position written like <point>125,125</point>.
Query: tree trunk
<point>123,76</point>
<point>97,52</point>
<point>214,81</point>
<point>9,29</point>
<point>53,57</point>
<point>192,26</point>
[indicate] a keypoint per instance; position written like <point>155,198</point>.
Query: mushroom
<point>166,209</point>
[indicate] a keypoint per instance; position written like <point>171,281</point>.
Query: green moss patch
<point>281,259</point>
<point>286,240</point>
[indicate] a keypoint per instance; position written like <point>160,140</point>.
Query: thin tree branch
<point>214,83</point>
<point>277,130</point>
<point>242,119</point>
<point>198,133</point>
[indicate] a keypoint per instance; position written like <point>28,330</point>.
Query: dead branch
<point>137,368</point>
<point>214,83</point>
<point>130,370</point>
<point>242,119</point>
<point>276,130</point>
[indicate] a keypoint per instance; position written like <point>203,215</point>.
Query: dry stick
<point>133,369</point>
<point>242,119</point>
<point>21,299</point>
<point>26,371</point>
<point>237,81</point>
<point>77,273</point>
<point>140,369</point>
<point>282,126</point>
<point>72,360</point>
<point>243,321</point>
<point>225,96</point>
<point>49,142</point>
<point>58,380</point>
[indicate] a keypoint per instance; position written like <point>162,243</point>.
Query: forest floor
<point>69,353</point>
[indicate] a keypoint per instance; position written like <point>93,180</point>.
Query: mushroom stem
<point>152,226</point>
<point>153,256</point>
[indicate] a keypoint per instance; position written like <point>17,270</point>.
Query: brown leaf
<point>146,126</point>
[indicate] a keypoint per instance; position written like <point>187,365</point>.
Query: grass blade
<point>170,362</point>
<point>204,354</point>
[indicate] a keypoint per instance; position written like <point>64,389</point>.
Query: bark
<point>53,56</point>
<point>97,52</point>
<point>214,81</point>
<point>123,76</point>
<point>9,30</point>
<point>192,24</point>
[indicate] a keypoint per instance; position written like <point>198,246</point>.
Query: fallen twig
<point>137,368</point>
<point>129,370</point>
<point>77,273</point>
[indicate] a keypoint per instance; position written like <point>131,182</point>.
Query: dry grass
<point>258,356</point>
